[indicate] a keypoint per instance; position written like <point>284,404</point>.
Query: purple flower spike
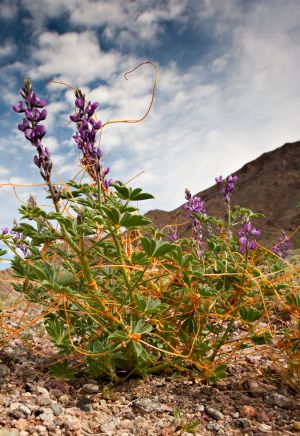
<point>283,245</point>
<point>226,186</point>
<point>172,236</point>
<point>246,235</point>
<point>31,128</point>
<point>85,137</point>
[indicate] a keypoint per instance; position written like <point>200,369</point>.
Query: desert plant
<point>122,297</point>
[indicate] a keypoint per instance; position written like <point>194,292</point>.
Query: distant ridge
<point>269,184</point>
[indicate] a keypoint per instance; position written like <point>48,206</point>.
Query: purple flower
<point>226,186</point>
<point>5,230</point>
<point>18,107</point>
<point>31,128</point>
<point>85,138</point>
<point>172,236</point>
<point>282,246</point>
<point>247,237</point>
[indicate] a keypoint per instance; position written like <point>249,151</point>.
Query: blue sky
<point>228,88</point>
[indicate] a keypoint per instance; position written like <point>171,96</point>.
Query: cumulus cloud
<point>8,48</point>
<point>74,57</point>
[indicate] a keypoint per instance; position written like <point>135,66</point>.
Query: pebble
<point>56,408</point>
<point>4,370</point>
<point>47,418</point>
<point>152,405</point>
<point>265,428</point>
<point>279,400</point>
<point>247,411</point>
<point>64,399</point>
<point>214,413</point>
<point>9,432</point>
<point>214,427</point>
<point>90,388</point>
<point>44,400</point>
<point>83,404</point>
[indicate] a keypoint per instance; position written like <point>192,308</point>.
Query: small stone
<point>126,423</point>
<point>56,408</point>
<point>247,411</point>
<point>258,388</point>
<point>9,432</point>
<point>47,418</point>
<point>41,429</point>
<point>214,427</point>
<point>265,428</point>
<point>4,370</point>
<point>262,416</point>
<point>214,413</point>
<point>71,423</point>
<point>235,415</point>
<point>296,425</point>
<point>152,405</point>
<point>84,404</point>
<point>44,400</point>
<point>22,424</point>
<point>109,427</point>
<point>242,423</point>
<point>90,388</point>
<point>42,390</point>
<point>18,410</point>
<point>64,399</point>
<point>56,393</point>
<point>279,400</point>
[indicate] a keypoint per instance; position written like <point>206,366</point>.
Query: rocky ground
<point>253,400</point>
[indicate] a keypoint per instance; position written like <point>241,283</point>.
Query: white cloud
<point>8,48</point>
<point>4,171</point>
<point>74,57</point>
<point>9,9</point>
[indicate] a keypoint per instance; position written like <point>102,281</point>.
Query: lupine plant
<point>119,297</point>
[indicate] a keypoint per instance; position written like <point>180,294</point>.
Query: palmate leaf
<point>249,314</point>
<point>293,300</point>
<point>58,333</point>
<point>155,248</point>
<point>61,370</point>
<point>130,194</point>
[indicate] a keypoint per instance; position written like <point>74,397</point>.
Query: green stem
<point>224,337</point>
<point>99,190</point>
<point>79,251</point>
<point>228,217</point>
<point>120,256</point>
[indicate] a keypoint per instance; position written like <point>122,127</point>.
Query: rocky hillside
<point>269,184</point>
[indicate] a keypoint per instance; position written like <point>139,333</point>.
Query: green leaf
<point>113,214</point>
<point>263,338</point>
<point>61,370</point>
<point>149,246</point>
<point>249,315</point>
<point>138,195</point>
<point>122,190</point>
<point>293,300</point>
<point>131,221</point>
<point>163,248</point>
<point>137,347</point>
<point>118,336</point>
<point>58,333</point>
